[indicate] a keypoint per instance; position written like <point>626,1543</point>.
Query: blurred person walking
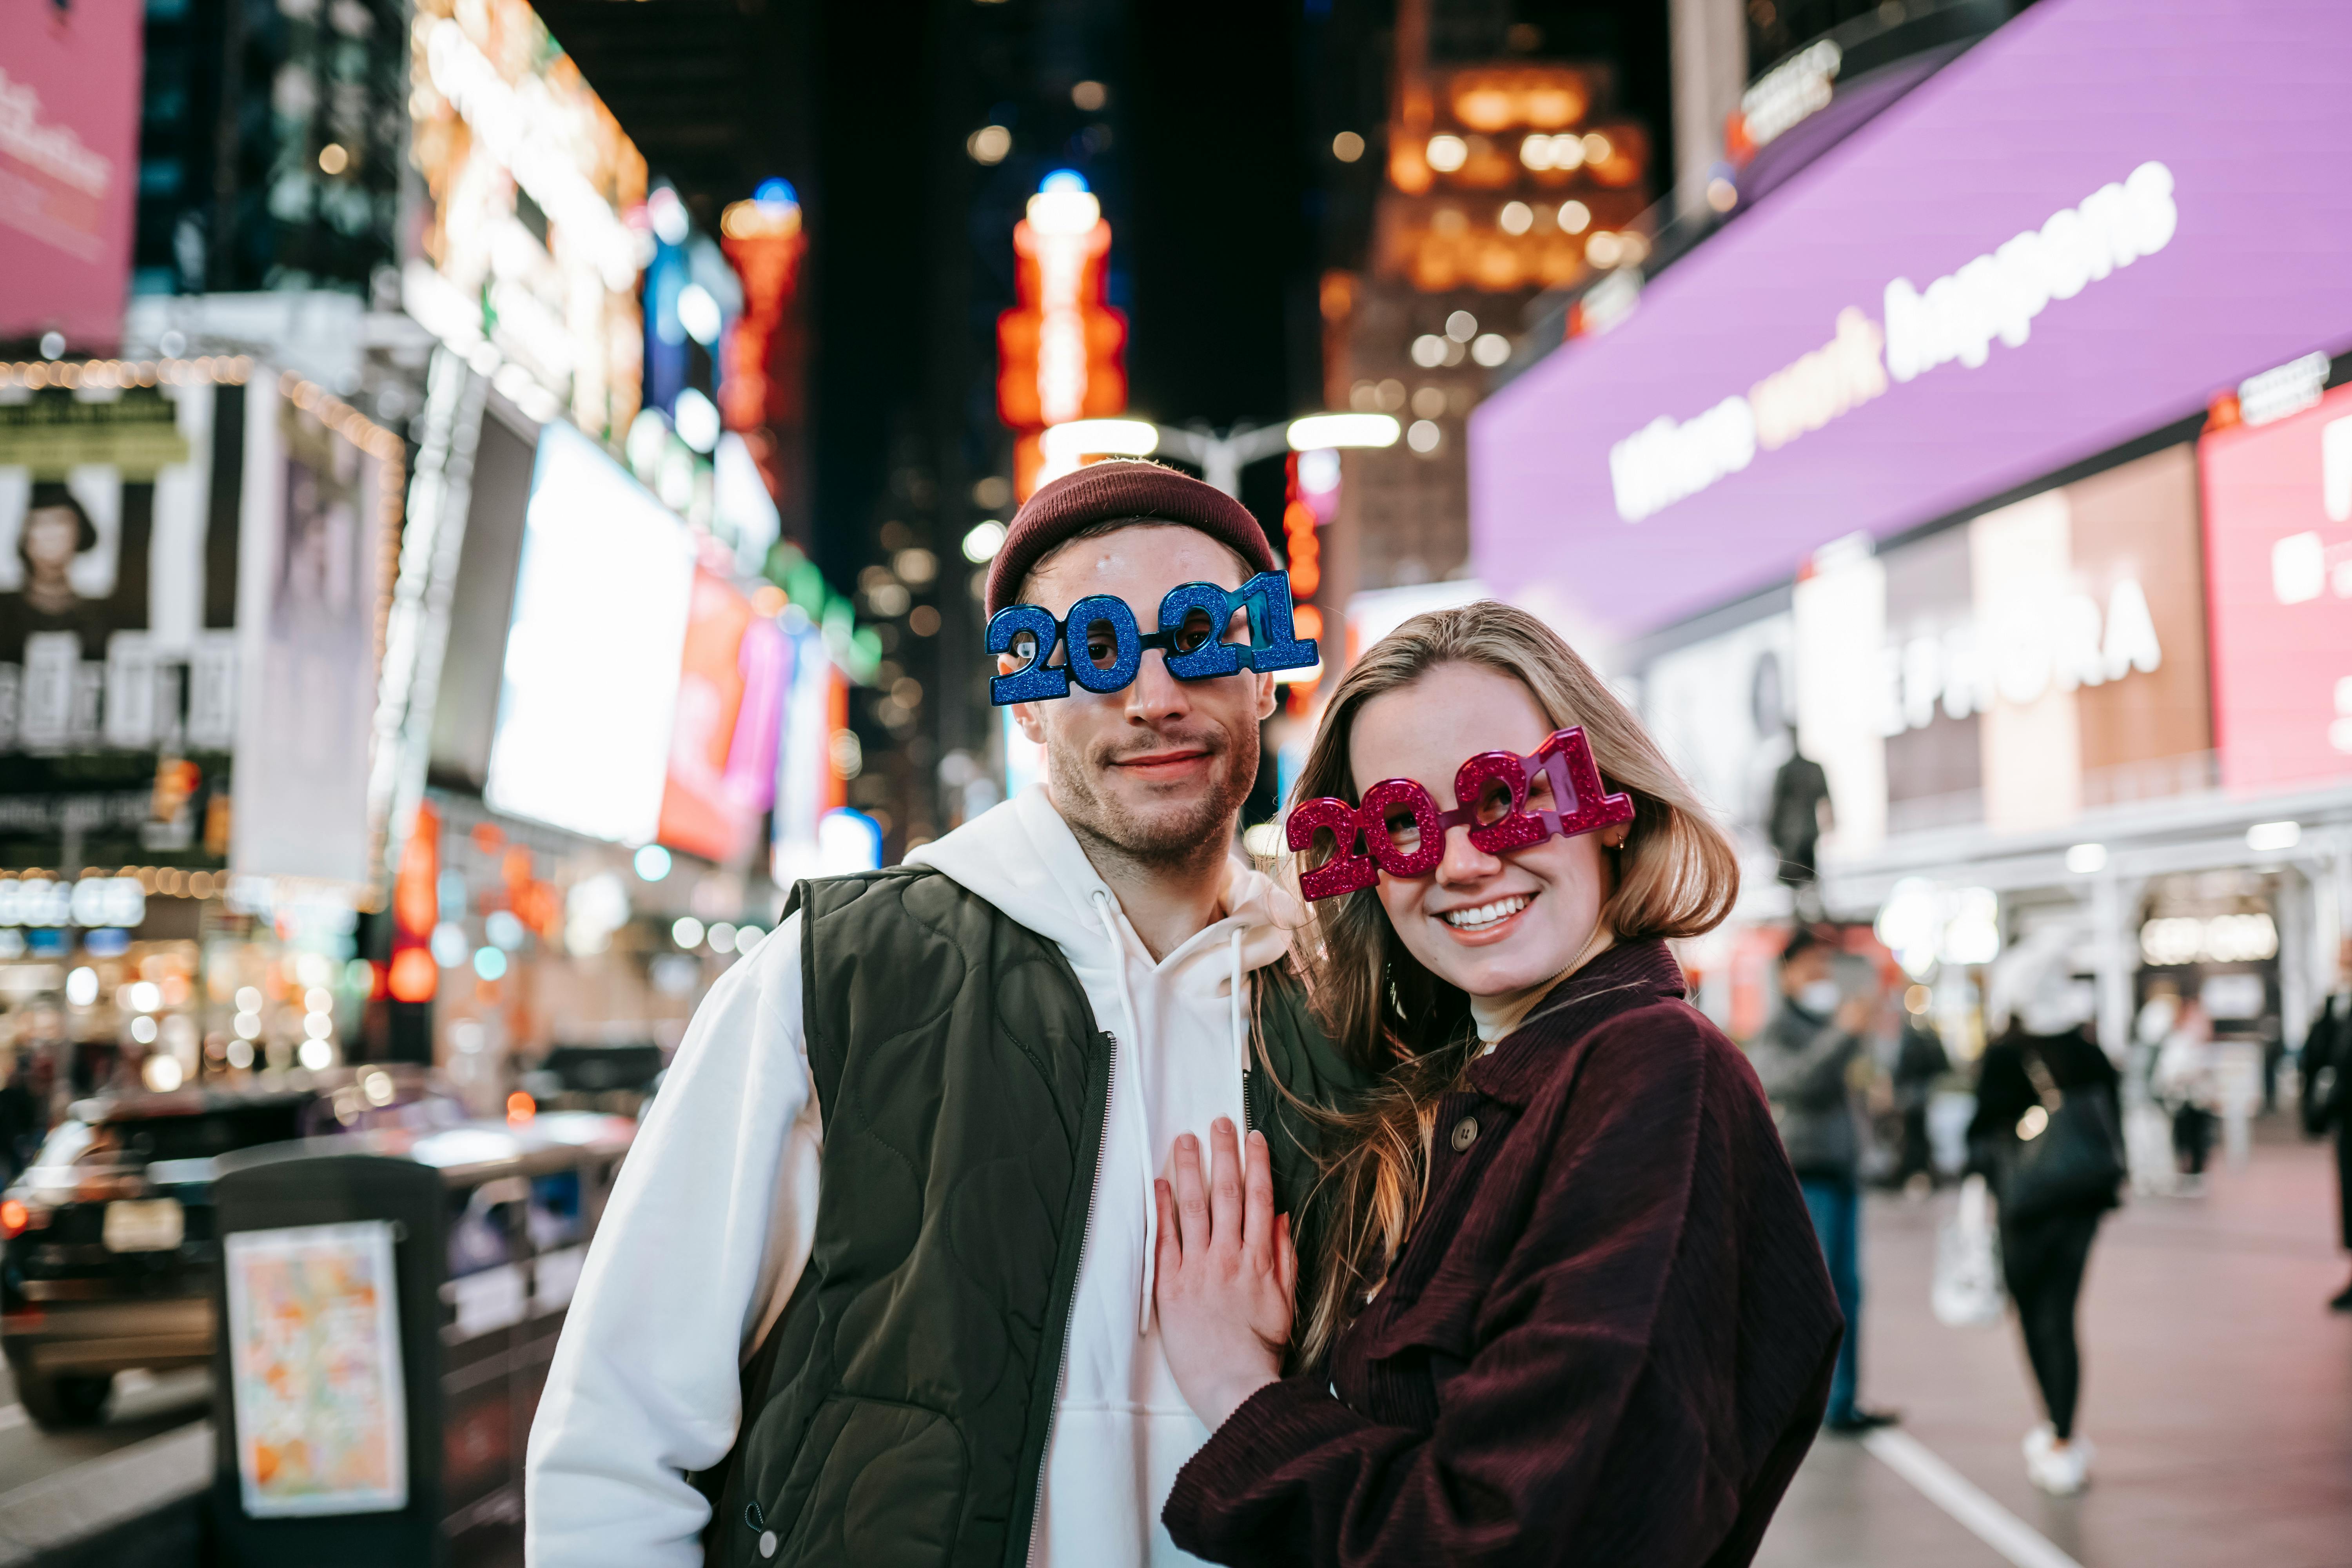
<point>1572,1308</point>
<point>2185,1082</point>
<point>2327,1094</point>
<point>2047,1135</point>
<point>1920,1060</point>
<point>875,1285</point>
<point>1804,1058</point>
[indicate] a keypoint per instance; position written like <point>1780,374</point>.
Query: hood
<point>1023,859</point>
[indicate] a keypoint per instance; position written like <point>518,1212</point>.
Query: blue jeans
<point>1835,1204</point>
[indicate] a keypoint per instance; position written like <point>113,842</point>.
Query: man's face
<point>50,535</point>
<point>1802,971</point>
<point>1157,771</point>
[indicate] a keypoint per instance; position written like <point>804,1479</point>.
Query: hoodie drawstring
<point>1135,1104</point>
<point>1240,1046</point>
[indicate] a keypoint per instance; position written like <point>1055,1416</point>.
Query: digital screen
<point>2021,265</point>
<point>2278,551</point>
<point>590,693</point>
<point>731,694</point>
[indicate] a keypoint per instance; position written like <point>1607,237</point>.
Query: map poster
<point>314,1369</point>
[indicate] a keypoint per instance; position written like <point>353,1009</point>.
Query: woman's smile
<point>1487,921</point>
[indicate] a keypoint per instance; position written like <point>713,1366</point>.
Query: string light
<point>223,369</point>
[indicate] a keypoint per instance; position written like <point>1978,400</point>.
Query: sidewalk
<point>2217,1387</point>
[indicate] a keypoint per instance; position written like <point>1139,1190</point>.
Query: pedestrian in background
<point>2327,1094</point>
<point>2054,1168</point>
<point>1920,1060</point>
<point>1805,1058</point>
<point>2186,1083</point>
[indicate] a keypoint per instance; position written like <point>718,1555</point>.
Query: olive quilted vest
<point>896,1417</point>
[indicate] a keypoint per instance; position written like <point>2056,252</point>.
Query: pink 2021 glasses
<point>1403,832</point>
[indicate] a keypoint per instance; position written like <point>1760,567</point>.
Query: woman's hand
<point>1226,1270</point>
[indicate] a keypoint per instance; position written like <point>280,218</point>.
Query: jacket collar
<point>1634,974</point>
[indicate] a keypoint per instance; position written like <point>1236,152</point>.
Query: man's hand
<point>1853,1014</point>
<point>1226,1269</point>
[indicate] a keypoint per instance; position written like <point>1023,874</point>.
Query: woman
<point>1570,1305</point>
<point>2041,1059</point>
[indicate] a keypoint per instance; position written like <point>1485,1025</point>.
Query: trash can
<point>389,1304</point>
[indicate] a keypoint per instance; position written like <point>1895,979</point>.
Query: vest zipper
<point>1070,1314</point>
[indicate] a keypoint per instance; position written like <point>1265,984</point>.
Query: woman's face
<point>1492,924</point>
<point>50,535</point>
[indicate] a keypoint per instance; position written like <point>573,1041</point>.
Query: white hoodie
<point>712,1218</point>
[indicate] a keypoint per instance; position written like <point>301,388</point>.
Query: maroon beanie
<point>1113,490</point>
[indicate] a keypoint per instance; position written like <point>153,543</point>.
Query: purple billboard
<point>2076,234</point>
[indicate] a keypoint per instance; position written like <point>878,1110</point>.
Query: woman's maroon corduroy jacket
<point>1609,1338</point>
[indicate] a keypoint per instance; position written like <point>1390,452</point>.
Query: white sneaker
<point>2060,1472</point>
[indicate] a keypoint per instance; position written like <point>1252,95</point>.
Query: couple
<point>939,1245</point>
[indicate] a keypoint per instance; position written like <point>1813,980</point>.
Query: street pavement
<point>142,1408</point>
<point>2217,1388</point>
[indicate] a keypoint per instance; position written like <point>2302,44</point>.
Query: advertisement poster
<point>2278,543</point>
<point>730,692</point>
<point>68,167</point>
<point>118,551</point>
<point>315,1370</point>
<point>320,518</point>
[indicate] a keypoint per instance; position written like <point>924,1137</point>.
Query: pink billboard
<point>68,167</point>
<point>2278,550</point>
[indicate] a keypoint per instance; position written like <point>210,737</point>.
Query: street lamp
<point>1220,456</point>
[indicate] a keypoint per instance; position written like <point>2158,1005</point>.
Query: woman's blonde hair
<point>1675,877</point>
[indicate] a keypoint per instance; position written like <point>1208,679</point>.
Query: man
<point>1804,1058</point>
<point>873,1286</point>
<point>2327,1093</point>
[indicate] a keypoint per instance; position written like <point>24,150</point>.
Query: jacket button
<point>767,1544</point>
<point>1465,1132</point>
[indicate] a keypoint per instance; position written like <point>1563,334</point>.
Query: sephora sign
<point>2043,252</point>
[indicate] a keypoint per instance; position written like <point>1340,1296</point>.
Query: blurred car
<point>107,1248</point>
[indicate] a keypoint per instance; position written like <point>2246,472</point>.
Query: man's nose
<point>1155,693</point>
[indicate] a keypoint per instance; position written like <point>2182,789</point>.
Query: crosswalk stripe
<point>1956,1495</point>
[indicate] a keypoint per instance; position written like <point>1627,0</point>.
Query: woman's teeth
<point>1485,915</point>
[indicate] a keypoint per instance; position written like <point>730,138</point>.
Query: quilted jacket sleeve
<point>708,1228</point>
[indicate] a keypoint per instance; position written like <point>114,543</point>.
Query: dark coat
<point>1607,1339</point>
<point>1803,1062</point>
<point>2327,1069</point>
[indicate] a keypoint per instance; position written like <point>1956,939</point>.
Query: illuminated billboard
<point>68,168</point>
<point>2278,551</point>
<point>587,705</point>
<point>119,519</point>
<point>2045,659</point>
<point>2022,264</point>
<point>730,696</point>
<point>527,239</point>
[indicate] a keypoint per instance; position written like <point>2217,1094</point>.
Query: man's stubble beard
<point>1175,837</point>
